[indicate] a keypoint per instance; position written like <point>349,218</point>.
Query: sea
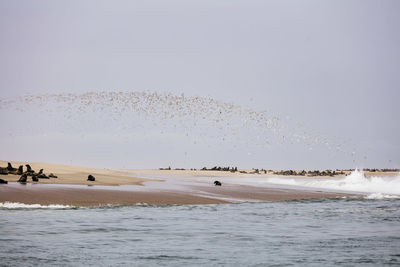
<point>324,232</point>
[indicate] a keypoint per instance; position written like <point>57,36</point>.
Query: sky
<point>332,66</point>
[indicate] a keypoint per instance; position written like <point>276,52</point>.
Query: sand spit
<point>154,187</point>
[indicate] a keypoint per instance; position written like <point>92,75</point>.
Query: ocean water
<point>341,232</point>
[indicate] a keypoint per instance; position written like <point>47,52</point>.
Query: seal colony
<point>63,174</point>
<point>24,174</point>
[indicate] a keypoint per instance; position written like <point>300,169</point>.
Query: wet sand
<point>65,195</point>
<point>90,196</point>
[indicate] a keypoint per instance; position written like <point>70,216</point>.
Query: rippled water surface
<point>309,233</point>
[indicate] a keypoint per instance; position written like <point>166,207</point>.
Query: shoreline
<point>153,187</point>
<point>92,196</point>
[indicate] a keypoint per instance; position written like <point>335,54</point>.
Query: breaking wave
<point>17,205</point>
<point>381,196</point>
<point>356,181</point>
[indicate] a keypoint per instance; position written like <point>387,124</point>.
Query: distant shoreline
<point>154,187</point>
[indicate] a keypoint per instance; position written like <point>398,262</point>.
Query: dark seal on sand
<point>91,178</point>
<point>3,181</point>
<point>42,175</point>
<point>10,168</point>
<point>217,183</point>
<point>29,170</point>
<point>23,178</point>
<point>20,170</point>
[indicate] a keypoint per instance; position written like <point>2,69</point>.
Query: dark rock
<point>3,181</point>
<point>217,183</point>
<point>91,178</point>
<point>23,178</point>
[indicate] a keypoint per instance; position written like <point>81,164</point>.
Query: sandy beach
<point>153,187</point>
<point>75,174</point>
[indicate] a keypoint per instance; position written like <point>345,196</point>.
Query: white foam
<point>381,196</point>
<point>17,205</point>
<point>356,181</point>
<point>142,204</point>
<point>376,187</point>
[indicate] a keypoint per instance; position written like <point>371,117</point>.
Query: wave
<point>356,181</point>
<point>17,205</point>
<point>381,196</point>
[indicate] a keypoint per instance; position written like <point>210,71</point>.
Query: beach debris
<point>23,178</point>
<point>91,178</point>
<point>3,181</point>
<point>217,183</point>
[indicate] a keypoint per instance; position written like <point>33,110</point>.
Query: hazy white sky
<point>333,65</point>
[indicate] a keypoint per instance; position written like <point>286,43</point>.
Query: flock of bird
<point>198,118</point>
